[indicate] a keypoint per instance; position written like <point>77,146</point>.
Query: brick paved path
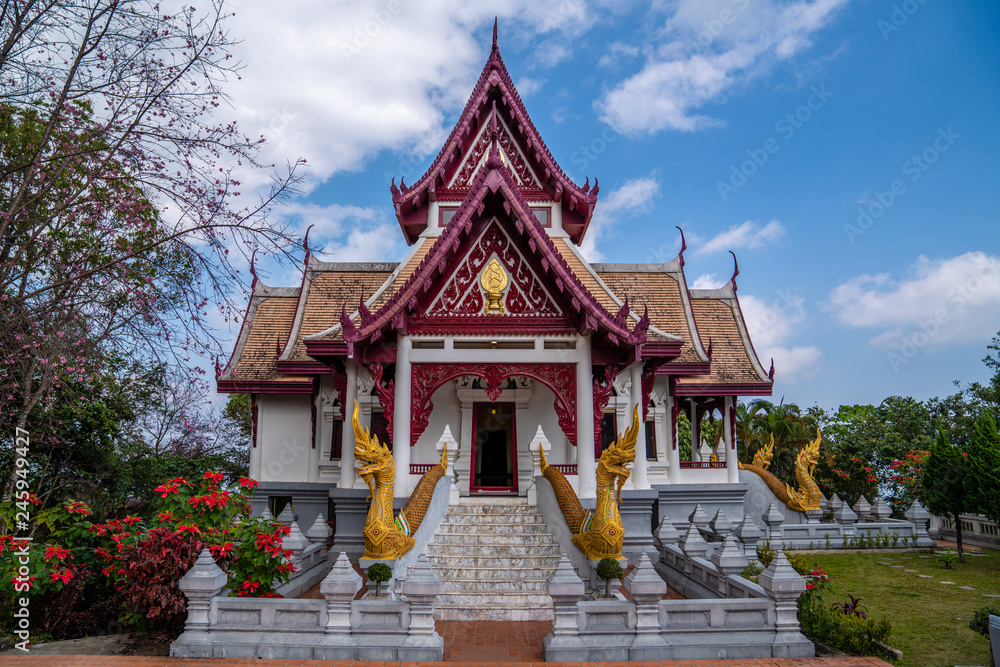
<point>121,661</point>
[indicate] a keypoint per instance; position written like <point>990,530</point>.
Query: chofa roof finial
<point>736,270</point>
<point>684,245</point>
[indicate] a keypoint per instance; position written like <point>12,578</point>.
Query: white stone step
<point>535,562</point>
<point>492,519</point>
<point>498,585</point>
<point>505,528</point>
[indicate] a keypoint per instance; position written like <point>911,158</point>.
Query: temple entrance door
<point>494,449</point>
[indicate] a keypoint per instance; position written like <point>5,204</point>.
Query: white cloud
<point>747,235</point>
<point>710,46</point>
<point>949,300</point>
<point>346,233</point>
<point>633,197</point>
<point>771,327</point>
<point>707,281</point>
<point>527,86</point>
<point>335,83</point>
<point>379,244</point>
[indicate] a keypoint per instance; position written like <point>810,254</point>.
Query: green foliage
<point>948,559</point>
<point>379,572</point>
<point>608,569</point>
<point>984,467</point>
<point>758,420</point>
<point>765,554</point>
<point>981,619</point>
<point>752,571</point>
<point>945,483</point>
<point>851,634</point>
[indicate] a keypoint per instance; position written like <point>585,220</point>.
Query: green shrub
<point>798,561</point>
<point>981,619</point>
<point>850,634</point>
<point>752,571</point>
<point>378,573</point>
<point>765,554</point>
<point>608,569</point>
<point>948,559</point>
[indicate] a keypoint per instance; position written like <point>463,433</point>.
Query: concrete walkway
<point>120,661</point>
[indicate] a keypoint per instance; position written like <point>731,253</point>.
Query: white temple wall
<point>446,412</point>
<point>284,432</point>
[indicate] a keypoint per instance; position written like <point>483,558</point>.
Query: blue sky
<point>845,150</point>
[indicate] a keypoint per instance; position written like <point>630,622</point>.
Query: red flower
<point>59,553</point>
<point>165,488</point>
<point>193,529</point>
<point>166,516</point>
<point>222,550</point>
<point>214,477</point>
<point>129,520</point>
<point>77,507</point>
<point>63,576</point>
<point>248,483</point>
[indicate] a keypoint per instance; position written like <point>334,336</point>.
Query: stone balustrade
<point>337,628</point>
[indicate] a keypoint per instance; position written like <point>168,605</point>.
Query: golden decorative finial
<point>494,280</point>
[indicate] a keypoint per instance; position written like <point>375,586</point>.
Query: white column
<point>732,462</point>
<point>673,449</point>
<point>585,420</point>
<point>401,419</point>
<point>695,432</point>
<point>348,475</point>
<point>640,477</point>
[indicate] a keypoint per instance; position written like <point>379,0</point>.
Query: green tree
<point>984,467</point>
<point>944,482</point>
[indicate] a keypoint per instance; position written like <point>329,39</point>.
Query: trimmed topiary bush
<point>378,573</point>
<point>608,569</point>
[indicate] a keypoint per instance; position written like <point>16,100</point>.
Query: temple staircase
<point>493,555</point>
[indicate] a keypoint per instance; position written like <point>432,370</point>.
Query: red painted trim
<point>647,379</point>
<point>326,348</point>
<point>264,387</point>
<point>513,450</point>
<point>692,368</point>
<point>494,77</point>
<point>302,368</point>
<point>427,378</point>
<point>386,396</point>
<point>724,390</point>
<point>372,327</point>
<point>660,350</point>
<point>602,396</point>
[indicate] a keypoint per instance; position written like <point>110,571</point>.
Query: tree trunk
<point>958,533</point>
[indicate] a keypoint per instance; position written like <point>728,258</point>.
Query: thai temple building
<point>493,416</point>
<point>495,328</point>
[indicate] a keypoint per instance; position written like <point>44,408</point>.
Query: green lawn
<point>930,620</point>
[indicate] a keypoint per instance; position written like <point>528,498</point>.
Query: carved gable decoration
<point>493,278</point>
<point>510,154</point>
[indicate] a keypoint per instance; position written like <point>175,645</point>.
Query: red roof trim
<point>595,316</point>
<point>302,368</point>
<point>690,368</point>
<point>494,73</point>
<point>746,389</point>
<point>304,386</point>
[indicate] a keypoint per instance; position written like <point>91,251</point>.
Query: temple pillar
<point>348,475</point>
<point>673,450</point>
<point>585,468</point>
<point>732,461</point>
<point>640,467</point>
<point>401,419</point>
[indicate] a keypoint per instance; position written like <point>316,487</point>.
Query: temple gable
<point>467,290</point>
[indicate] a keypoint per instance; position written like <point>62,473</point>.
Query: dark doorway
<point>494,449</point>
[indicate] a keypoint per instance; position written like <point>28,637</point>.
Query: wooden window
<point>609,433</point>
<point>650,440</point>
<point>543,213</point>
<point>380,428</point>
<point>337,439</point>
<point>445,214</point>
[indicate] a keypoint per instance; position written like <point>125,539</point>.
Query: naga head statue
<point>809,454</point>
<point>765,454</point>
<point>367,448</point>
<point>617,458</point>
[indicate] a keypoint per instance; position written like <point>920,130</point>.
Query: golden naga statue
<point>808,495</point>
<point>598,534</point>
<point>386,537</point>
